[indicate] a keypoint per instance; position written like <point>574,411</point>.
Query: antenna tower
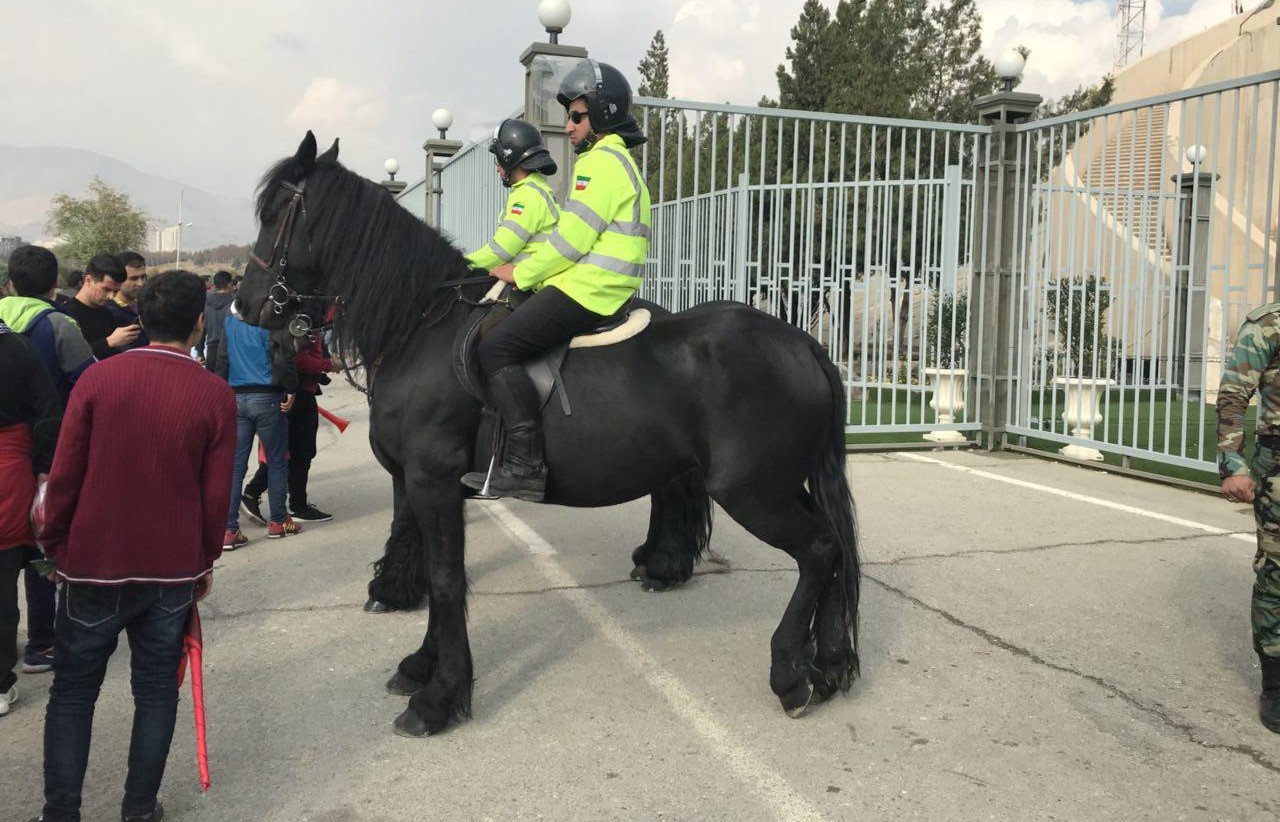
<point>1131,17</point>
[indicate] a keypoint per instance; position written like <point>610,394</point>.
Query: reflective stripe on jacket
<point>596,253</point>
<point>525,224</point>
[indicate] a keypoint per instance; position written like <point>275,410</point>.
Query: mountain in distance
<point>31,177</point>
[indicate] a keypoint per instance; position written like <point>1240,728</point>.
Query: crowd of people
<point>89,375</point>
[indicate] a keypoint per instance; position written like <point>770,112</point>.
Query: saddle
<point>543,370</point>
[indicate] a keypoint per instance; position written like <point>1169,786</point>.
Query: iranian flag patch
<point>580,183</point>
<point>518,208</point>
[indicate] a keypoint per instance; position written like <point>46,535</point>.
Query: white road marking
<point>788,805</point>
<point>1104,503</point>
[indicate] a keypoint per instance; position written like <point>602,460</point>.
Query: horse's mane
<point>384,264</point>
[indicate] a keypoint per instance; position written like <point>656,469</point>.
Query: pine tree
<point>954,72</point>
<point>655,70</point>
<point>808,85</point>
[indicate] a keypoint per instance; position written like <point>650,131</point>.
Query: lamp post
<point>437,148</point>
<point>177,239</point>
<point>546,64</point>
<point>391,184</point>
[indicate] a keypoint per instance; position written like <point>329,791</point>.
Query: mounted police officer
<point>585,273</point>
<point>1254,365</point>
<point>530,213</point>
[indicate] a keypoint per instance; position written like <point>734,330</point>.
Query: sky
<point>211,93</point>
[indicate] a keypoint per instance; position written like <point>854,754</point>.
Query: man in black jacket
<point>103,277</point>
<point>217,305</point>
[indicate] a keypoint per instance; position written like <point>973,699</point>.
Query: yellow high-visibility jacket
<point>596,253</point>
<point>524,225</point>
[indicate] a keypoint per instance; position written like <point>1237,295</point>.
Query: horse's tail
<point>829,489</point>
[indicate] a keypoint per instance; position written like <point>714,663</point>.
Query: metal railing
<point>1131,266</point>
<point>857,229</point>
<point>1146,232</point>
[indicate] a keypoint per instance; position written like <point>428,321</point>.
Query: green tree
<point>655,68</point>
<point>808,84</point>
<point>954,73</point>
<point>104,222</point>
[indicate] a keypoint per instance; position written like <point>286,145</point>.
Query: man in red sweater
<point>134,568</point>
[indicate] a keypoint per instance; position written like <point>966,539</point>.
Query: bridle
<point>281,294</point>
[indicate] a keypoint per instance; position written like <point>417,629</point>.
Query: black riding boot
<point>1269,701</point>
<point>523,472</point>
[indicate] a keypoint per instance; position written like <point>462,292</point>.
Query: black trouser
<point>41,607</point>
<point>543,321</point>
<point>211,353</point>
<point>304,424</point>
<point>11,562</point>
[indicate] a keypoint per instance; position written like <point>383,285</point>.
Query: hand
<point>506,273</point>
<point>1239,488</point>
<point>287,404</point>
<point>203,586</point>
<point>41,478</point>
<point>124,335</point>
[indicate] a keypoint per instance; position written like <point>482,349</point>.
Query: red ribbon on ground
<point>193,644</point>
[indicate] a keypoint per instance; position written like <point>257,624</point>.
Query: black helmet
<point>518,144</point>
<point>608,96</point>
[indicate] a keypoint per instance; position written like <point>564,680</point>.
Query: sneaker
<point>251,507</point>
<point>37,662</point>
<point>276,530</point>
<point>7,700</point>
<point>231,540</point>
<point>310,513</point>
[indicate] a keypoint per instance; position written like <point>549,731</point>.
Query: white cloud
<point>328,104</point>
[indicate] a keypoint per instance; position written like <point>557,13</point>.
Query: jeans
<point>304,422</point>
<point>260,414</point>
<point>90,619</point>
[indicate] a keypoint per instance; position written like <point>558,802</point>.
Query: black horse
<point>721,397</point>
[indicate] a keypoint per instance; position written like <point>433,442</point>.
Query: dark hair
<point>170,304</point>
<point>34,270</point>
<point>74,278</point>
<point>222,279</point>
<point>132,259</point>
<point>105,265</point>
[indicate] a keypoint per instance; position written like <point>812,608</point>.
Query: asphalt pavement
<point>1039,641</point>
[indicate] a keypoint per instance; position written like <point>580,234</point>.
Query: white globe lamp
<point>391,166</point>
<point>1196,155</point>
<point>1009,66</point>
<point>442,118</point>
<point>554,16</point>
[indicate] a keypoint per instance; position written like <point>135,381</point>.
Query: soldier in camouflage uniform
<point>1254,365</point>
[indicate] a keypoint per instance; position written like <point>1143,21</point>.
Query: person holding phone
<point>103,278</point>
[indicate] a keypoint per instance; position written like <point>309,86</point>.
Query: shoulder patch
<point>1262,311</point>
<point>580,183</point>
<point>518,208</point>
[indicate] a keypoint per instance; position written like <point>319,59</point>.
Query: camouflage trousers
<point>1265,607</point>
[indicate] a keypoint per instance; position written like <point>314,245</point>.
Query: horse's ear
<point>330,156</point>
<point>306,156</point>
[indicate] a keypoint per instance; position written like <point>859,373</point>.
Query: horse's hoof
<point>797,702</point>
<point>401,685</point>
<point>639,573</point>
<point>408,724</point>
<point>374,606</point>
<point>657,586</point>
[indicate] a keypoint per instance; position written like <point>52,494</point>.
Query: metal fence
<point>857,229</point>
<point>1140,236</point>
<point>1145,233</point>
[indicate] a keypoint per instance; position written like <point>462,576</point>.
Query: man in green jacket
<point>530,214</point>
<point>585,272</point>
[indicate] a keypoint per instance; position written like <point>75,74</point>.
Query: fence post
<point>999,170</point>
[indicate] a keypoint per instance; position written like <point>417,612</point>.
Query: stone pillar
<point>993,288</point>
<point>545,65</point>
<point>437,149</point>
<point>1195,204</point>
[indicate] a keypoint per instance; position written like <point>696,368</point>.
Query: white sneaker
<point>7,700</point>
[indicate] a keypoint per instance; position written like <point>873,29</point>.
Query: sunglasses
<point>577,116</point>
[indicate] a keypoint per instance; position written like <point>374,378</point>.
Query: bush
<point>948,317</point>
<point>1077,307</point>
